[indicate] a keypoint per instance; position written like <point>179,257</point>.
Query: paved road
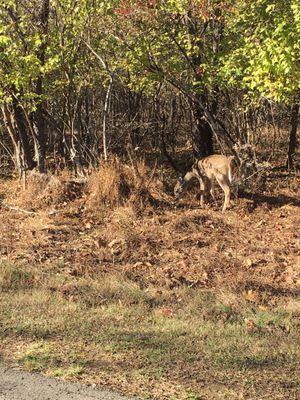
<point>18,385</point>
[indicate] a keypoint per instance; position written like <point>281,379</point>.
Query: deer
<point>205,169</point>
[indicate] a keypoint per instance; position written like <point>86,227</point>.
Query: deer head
<point>180,187</point>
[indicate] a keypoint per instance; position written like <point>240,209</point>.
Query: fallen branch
<point>14,208</point>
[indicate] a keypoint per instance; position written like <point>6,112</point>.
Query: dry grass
<point>110,185</point>
<point>125,289</point>
<point>157,343</point>
<point>115,184</point>
<point>13,276</point>
<point>42,191</point>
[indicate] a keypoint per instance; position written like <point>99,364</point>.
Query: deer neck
<point>189,176</point>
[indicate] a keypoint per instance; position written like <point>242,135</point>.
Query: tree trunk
<point>21,128</point>
<point>38,116</point>
<point>166,154</point>
<point>293,136</point>
<point>9,123</point>
<point>41,139</point>
<point>105,117</point>
<point>203,134</point>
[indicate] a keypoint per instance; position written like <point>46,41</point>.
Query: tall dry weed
<point>43,190</point>
<point>116,184</point>
<point>109,185</point>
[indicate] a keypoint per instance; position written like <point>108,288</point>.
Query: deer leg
<point>227,198</point>
<point>209,189</point>
<point>224,183</point>
<point>212,193</point>
<point>202,190</point>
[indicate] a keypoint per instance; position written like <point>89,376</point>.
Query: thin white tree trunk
<point>107,99</point>
<point>105,117</point>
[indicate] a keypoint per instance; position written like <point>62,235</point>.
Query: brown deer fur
<point>205,169</point>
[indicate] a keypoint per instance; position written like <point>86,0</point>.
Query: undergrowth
<point>109,282</point>
<point>113,184</point>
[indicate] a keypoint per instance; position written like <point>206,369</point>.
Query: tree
<point>172,43</point>
<point>23,42</point>
<point>262,57</point>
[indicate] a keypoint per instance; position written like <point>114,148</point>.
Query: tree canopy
<point>56,56</point>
